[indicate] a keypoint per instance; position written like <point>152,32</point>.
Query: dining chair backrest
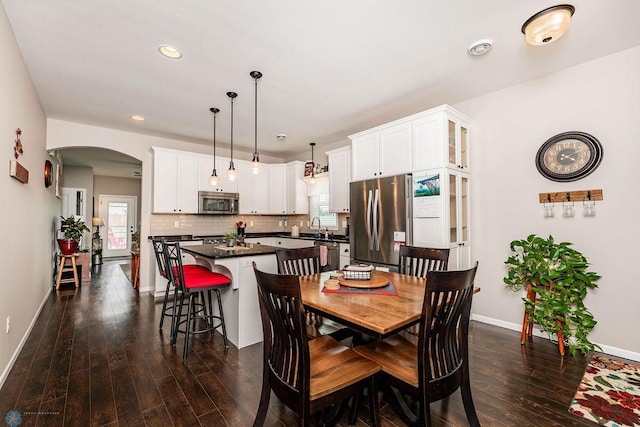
<point>299,262</point>
<point>158,250</point>
<point>444,329</point>
<point>417,261</point>
<point>286,346</point>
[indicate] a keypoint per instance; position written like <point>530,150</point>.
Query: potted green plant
<point>559,278</point>
<point>71,229</point>
<point>230,239</point>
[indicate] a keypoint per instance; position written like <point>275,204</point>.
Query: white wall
<point>602,98</point>
<point>30,211</point>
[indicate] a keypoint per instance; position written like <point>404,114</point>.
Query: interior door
<point>119,213</point>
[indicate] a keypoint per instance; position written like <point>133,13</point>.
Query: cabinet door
<point>187,183</point>
<point>365,157</point>
<point>245,187</point>
<point>297,202</point>
<point>395,150</point>
<point>428,142</point>
<point>277,188</point>
<point>457,143</point>
<point>205,167</point>
<point>262,191</point>
<point>165,182</point>
<point>339,179</point>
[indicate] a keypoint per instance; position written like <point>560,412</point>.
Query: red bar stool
<point>192,282</point>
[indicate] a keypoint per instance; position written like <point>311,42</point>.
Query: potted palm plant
<point>71,229</point>
<point>557,279</point>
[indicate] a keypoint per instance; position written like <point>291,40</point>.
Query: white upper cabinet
<point>205,168</point>
<point>175,181</point>
<point>253,189</point>
<point>277,190</point>
<point>339,179</point>
<point>297,202</point>
<point>382,151</point>
<point>440,139</point>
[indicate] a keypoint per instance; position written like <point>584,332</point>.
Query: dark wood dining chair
<point>306,375</point>
<point>417,261</point>
<point>194,281</point>
<point>438,364</point>
<point>303,262</point>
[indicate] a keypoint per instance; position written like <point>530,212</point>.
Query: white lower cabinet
<point>345,254</point>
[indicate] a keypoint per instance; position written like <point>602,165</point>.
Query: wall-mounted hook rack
<point>571,196</point>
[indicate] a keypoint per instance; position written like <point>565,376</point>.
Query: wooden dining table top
<point>378,316</point>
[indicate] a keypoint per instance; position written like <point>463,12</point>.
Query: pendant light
<point>311,179</point>
<point>214,181</point>
<point>256,167</point>
<point>232,173</point>
<point>548,25</point>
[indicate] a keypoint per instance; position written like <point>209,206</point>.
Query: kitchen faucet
<point>314,220</point>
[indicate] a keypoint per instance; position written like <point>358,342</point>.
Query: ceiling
<point>331,68</point>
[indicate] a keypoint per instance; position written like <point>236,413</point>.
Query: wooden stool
<point>62,266</point>
<point>527,327</point>
<point>135,269</point>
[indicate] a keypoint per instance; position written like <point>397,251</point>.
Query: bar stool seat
<point>62,267</point>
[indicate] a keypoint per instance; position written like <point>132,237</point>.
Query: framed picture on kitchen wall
<point>308,168</point>
<point>58,177</point>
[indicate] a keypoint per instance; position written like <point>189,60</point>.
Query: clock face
<point>569,156</point>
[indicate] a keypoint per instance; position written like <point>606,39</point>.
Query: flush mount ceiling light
<point>480,47</point>
<point>548,25</point>
<point>214,181</point>
<point>281,137</point>
<point>256,167</point>
<point>170,51</point>
<point>232,173</point>
<point>136,117</point>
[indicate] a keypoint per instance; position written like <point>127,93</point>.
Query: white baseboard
<point>14,357</point>
<point>614,351</point>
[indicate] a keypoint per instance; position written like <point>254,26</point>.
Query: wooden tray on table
<point>375,282</point>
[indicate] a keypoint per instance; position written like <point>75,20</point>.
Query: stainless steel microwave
<point>215,203</point>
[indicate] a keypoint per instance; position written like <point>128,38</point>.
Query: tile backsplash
<point>206,225</point>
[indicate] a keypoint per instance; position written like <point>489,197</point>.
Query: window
<point>319,207</point>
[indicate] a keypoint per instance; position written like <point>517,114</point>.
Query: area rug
<point>609,393</point>
<point>126,269</point>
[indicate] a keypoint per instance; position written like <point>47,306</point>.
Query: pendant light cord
<point>255,139</point>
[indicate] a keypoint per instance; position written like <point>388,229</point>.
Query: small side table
<point>62,266</point>
<point>135,269</point>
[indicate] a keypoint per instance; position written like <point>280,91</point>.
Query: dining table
<point>370,313</point>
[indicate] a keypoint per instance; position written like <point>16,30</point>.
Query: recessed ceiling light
<point>137,118</point>
<point>170,51</point>
<point>480,47</point>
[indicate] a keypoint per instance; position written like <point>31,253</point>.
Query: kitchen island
<point>240,302</point>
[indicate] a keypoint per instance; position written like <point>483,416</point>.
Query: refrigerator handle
<point>376,234</point>
<point>369,201</point>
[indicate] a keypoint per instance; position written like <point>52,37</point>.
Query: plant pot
<point>231,242</point>
<point>67,246</point>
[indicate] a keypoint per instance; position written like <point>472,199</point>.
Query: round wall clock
<point>569,156</point>
<point>48,175</point>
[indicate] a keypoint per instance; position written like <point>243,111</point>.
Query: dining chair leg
<point>469,407</point>
<point>265,395</point>
<point>224,328</point>
<point>374,403</point>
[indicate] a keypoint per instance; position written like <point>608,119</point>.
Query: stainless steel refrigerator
<point>380,219</point>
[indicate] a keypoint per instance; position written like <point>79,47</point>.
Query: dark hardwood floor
<point>95,357</point>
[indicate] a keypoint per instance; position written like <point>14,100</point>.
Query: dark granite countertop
<point>302,236</point>
<point>217,251</point>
